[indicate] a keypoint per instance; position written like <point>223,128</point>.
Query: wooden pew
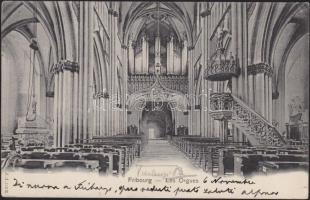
<point>271,167</point>
<point>55,165</point>
<point>105,161</point>
<point>247,164</point>
<point>125,152</point>
<point>226,157</point>
<point>35,155</point>
<point>116,152</point>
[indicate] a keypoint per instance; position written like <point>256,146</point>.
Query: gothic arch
<point>58,22</point>
<point>136,10</point>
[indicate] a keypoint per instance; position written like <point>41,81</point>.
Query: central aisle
<point>160,154</point>
<point>161,151</point>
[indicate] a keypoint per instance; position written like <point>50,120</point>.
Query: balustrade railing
<point>263,130</point>
<point>225,106</point>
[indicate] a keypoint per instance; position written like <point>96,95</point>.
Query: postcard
<point>103,99</point>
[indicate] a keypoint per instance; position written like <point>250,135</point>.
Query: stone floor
<point>159,155</point>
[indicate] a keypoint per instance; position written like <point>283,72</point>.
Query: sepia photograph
<point>155,99</point>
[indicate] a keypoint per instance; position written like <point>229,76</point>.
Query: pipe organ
<point>150,55</point>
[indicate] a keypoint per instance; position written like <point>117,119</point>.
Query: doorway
<point>151,133</point>
<point>156,123</point>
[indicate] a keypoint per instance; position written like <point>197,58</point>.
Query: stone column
<point>168,55</point>
<point>234,42</point>
<point>190,89</point>
<point>237,48</point>
<point>260,93</point>
<point>125,88</point>
<point>197,121</point>
<point>94,111</point>
<point>105,116</point>
<point>114,88</point>
<point>60,109</point>
<point>131,58</point>
<point>184,57</point>
<point>157,50</point>
<point>204,92</point>
<point>171,56</point>
<point>85,60</point>
<point>99,102</point>
<point>98,114</point>
<point>50,99</point>
<point>251,90</point>
<point>75,107</point>
<point>69,68</point>
<point>176,121</point>
<point>101,115</point>
<point>225,127</point>
<point>266,84</point>
<point>110,111</point>
<point>242,51</point>
<point>207,83</point>
<point>262,73</point>
<point>63,102</point>
<point>56,107</point>
<point>221,131</point>
<point>270,107</point>
<point>145,55</point>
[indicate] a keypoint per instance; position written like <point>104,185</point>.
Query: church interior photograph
<point>102,86</point>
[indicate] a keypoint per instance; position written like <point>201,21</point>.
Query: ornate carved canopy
<point>157,92</point>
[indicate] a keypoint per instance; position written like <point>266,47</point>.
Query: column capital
<point>167,39</point>
<point>124,46</point>
<point>205,13</point>
<point>182,44</point>
<point>197,107</point>
<point>65,65</point>
<point>95,96</point>
<point>102,94</point>
<point>189,48</point>
<point>275,94</point>
<point>49,94</point>
<point>115,14</point>
<point>260,68</point>
<point>110,11</point>
<point>133,44</point>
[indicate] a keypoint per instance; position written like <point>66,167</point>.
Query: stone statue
<point>220,37</point>
<point>34,107</point>
<point>32,115</point>
<point>295,107</point>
